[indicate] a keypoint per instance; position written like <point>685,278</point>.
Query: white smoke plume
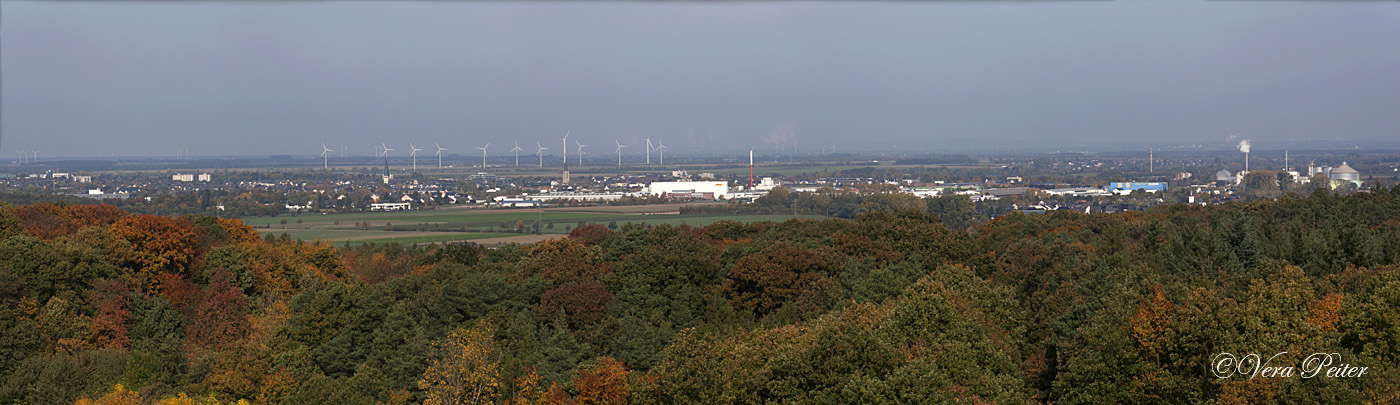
<point>782,134</point>
<point>1244,146</point>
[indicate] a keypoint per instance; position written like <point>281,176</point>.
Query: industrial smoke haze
<point>281,78</point>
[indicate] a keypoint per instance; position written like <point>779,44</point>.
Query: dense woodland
<point>105,306</point>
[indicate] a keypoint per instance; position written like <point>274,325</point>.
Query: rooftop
<point>1343,169</point>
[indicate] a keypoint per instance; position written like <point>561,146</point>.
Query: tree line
<point>891,306</point>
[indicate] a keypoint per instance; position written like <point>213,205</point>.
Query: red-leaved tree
<point>220,316</point>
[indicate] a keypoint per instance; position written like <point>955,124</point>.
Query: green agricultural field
<point>322,234</point>
<point>449,225</point>
<point>451,237</point>
<point>355,237</point>
<point>471,218</point>
<point>699,220</point>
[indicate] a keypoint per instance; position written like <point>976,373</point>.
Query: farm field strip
<point>435,238</point>
<point>324,227</point>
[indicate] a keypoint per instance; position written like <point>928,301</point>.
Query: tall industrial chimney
<point>1244,147</point>
<point>750,168</point>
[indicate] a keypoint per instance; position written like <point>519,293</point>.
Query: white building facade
<point>716,190</point>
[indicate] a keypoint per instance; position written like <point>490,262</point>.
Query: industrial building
<point>1224,178</point>
<point>400,206</point>
<point>1128,187</point>
<point>1006,191</point>
<point>766,184</point>
<point>578,196</point>
<point>747,195</point>
<point>190,177</point>
<point>710,190</point>
<point>924,191</point>
<point>1344,174</point>
<point>519,203</point>
<point>1077,191</point>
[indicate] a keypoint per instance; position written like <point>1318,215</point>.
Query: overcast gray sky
<point>134,78</point>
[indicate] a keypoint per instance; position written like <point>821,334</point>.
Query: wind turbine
<point>413,151</point>
<point>439,153</point>
<point>541,153</point>
<point>619,152</point>
<point>517,153</point>
<point>580,153</point>
<point>566,147</point>
<point>325,161</point>
<point>661,148</point>
<point>648,150</point>
<point>21,156</point>
<point>386,150</point>
<point>483,155</point>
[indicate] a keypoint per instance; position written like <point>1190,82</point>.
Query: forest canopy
<point>893,306</point>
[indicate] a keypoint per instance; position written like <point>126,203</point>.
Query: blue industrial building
<point>1131,186</point>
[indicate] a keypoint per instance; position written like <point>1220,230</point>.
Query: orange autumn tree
<point>272,267</point>
<point>50,221</point>
<point>237,231</point>
<point>602,383</point>
<point>82,216</point>
<point>1152,323</point>
<point>1325,312</point>
<point>44,221</point>
<point>605,383</point>
<point>162,245</point>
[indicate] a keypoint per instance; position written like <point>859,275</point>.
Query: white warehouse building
<point>689,189</point>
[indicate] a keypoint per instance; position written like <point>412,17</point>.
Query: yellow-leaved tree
<point>183,399</point>
<point>119,396</point>
<point>465,368</point>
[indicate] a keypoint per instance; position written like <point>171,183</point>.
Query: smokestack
<point>1244,147</point>
<point>1150,161</point>
<point>750,168</point>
